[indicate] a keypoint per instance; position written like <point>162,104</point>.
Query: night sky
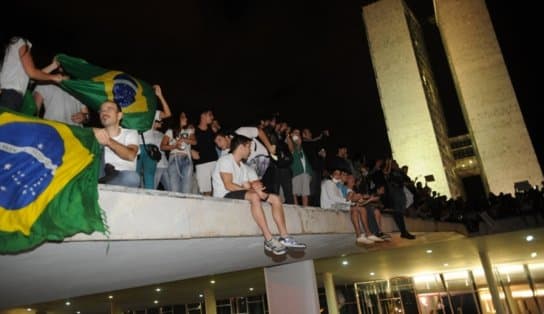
<point>245,58</point>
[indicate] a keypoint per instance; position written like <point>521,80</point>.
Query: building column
<point>115,308</point>
<point>330,292</point>
<point>209,301</point>
<point>491,283</point>
<point>291,288</point>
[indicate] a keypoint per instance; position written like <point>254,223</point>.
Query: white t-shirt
<point>331,196</point>
<point>184,148</point>
<point>58,104</point>
<point>12,73</point>
<point>257,148</point>
<point>153,136</point>
<point>125,137</point>
<point>240,174</point>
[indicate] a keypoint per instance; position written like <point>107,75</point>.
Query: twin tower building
<point>417,131</point>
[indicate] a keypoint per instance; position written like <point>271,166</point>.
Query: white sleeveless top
<point>12,74</point>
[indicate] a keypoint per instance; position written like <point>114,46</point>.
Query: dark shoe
<point>407,235</point>
<point>385,236</point>
<point>110,173</point>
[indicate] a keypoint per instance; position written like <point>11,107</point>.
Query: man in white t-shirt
<point>232,178</point>
<point>59,105</point>
<point>120,146</point>
<point>259,157</point>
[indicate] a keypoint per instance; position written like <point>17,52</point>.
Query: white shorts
<point>204,176</point>
<point>301,184</point>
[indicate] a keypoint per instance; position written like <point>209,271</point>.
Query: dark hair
<point>204,110</point>
<point>223,133</point>
<point>337,163</point>
<point>238,140</point>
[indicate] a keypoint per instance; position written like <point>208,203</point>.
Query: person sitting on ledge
<point>120,148</point>
<point>231,178</point>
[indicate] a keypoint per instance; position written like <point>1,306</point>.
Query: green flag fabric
<point>48,182</point>
<point>93,85</point>
<point>29,105</point>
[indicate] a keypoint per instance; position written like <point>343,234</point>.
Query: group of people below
<point>268,162</point>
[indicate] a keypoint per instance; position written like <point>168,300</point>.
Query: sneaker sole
<point>276,252</point>
<point>365,242</point>
<point>296,247</point>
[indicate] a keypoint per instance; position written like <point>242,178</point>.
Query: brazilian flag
<point>93,85</point>
<point>48,181</point>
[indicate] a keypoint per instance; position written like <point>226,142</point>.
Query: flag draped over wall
<point>93,85</point>
<point>48,181</point>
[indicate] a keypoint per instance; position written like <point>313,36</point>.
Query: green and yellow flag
<point>93,85</point>
<point>48,181</point>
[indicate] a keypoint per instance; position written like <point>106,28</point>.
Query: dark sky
<point>244,58</point>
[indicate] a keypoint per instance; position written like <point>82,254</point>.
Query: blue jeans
<point>126,178</point>
<point>161,176</point>
<point>180,171</point>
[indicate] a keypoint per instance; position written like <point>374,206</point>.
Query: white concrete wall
<point>486,94</point>
<point>158,236</point>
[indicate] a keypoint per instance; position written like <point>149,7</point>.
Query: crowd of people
<point>269,161</point>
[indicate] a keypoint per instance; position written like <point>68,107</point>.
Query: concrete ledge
<point>160,236</point>
<point>134,214</point>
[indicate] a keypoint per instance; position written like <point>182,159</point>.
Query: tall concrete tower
<point>487,97</point>
<point>413,114</point>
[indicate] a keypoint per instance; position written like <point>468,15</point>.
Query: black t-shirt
<point>205,146</point>
<point>310,149</point>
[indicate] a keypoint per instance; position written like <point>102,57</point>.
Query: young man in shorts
<point>232,178</point>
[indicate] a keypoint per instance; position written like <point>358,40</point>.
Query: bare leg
<point>378,217</point>
<point>305,200</point>
<point>364,219</point>
<point>258,213</point>
<point>278,214</point>
<point>355,221</point>
<point>295,199</point>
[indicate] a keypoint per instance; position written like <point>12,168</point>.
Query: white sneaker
<point>364,240</point>
<point>375,238</point>
<point>275,246</point>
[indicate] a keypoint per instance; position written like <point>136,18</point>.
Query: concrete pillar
<point>209,301</point>
<point>512,304</point>
<point>330,292</point>
<point>292,288</point>
<point>115,308</point>
<point>491,283</point>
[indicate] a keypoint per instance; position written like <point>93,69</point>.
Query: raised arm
<point>165,112</point>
